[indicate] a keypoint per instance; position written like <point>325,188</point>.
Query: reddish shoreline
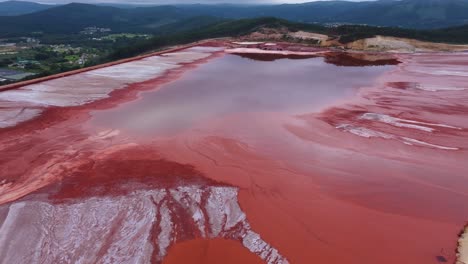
<point>375,179</point>
<point>112,63</point>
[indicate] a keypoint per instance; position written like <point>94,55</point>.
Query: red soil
<point>334,197</point>
<point>315,192</point>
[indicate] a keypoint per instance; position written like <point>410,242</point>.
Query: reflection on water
<point>273,56</point>
<point>335,58</point>
<point>360,59</point>
<point>231,84</point>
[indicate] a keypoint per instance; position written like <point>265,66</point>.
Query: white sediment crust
<point>248,43</point>
<point>205,49</point>
<point>363,132</point>
<point>453,72</point>
<point>369,133</point>
<point>279,52</point>
<point>123,229</point>
<point>437,88</point>
<point>398,122</point>
<point>411,141</point>
<point>456,71</point>
<point>12,116</point>
<point>87,87</point>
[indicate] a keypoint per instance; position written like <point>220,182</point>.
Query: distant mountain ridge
<point>72,18</point>
<point>15,8</point>
<point>398,13</point>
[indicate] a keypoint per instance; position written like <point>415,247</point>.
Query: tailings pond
<point>226,154</point>
<point>234,84</point>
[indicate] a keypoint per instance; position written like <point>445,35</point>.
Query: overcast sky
<point>155,2</point>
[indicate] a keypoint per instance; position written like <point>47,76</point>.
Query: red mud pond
<point>234,154</point>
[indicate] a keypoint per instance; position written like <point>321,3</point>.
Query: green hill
<point>234,28</point>
<point>15,8</point>
<point>405,13</point>
<point>72,18</point>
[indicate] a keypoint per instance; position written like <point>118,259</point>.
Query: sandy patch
<point>462,256</point>
<point>392,44</point>
<point>308,35</point>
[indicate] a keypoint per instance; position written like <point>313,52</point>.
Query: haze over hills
<point>14,8</point>
<point>404,13</point>
<point>74,17</point>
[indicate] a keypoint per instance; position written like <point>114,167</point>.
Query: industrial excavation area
<point>239,152</point>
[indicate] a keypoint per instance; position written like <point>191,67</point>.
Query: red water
<point>233,84</point>
<point>210,252</point>
<point>233,157</point>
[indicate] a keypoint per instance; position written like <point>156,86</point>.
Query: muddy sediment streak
<point>122,204</point>
<point>96,169</point>
<point>139,227</point>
